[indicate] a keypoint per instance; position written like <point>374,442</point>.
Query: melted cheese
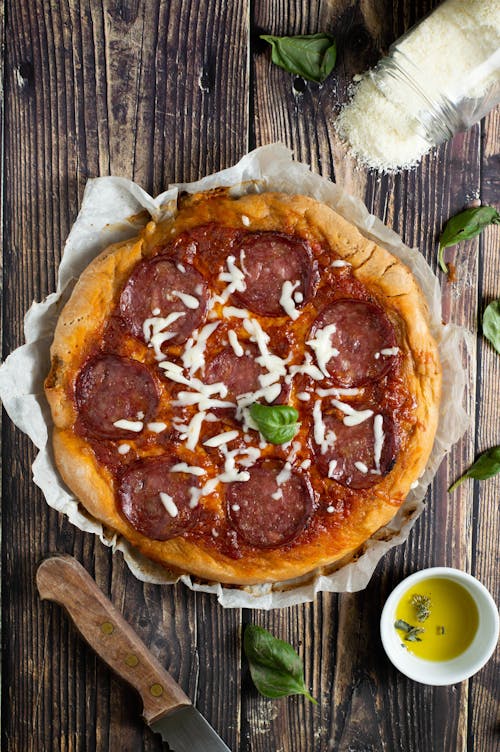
<point>286,300</point>
<point>221,438</point>
<point>304,396</point>
<point>353,417</point>
<point>339,263</point>
<point>361,467</point>
<point>234,342</point>
<point>193,355</point>
<point>194,428</point>
<point>323,439</point>
<point>331,468</point>
<point>234,277</point>
<point>338,392</point>
<point>274,365</point>
<point>124,449</point>
<point>285,474</point>
<point>183,467</point>
<point>188,300</point>
<point>307,368</point>
<point>169,504</point>
<point>245,220</point>
<point>156,427</point>
<point>322,346</point>
<point>230,312</point>
<point>155,334</point>
<point>129,425</point>
<point>379,438</point>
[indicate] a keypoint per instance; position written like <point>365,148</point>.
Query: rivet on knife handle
<point>62,579</point>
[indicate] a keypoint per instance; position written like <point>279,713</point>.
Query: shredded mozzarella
<point>353,417</point>
<point>230,312</point>
<point>183,467</point>
<point>304,396</point>
<point>156,427</point>
<point>235,277</point>
<point>221,438</point>
<point>307,368</point>
<point>189,300</point>
<point>389,351</point>
<point>234,342</point>
<point>277,494</point>
<point>305,465</point>
<point>245,220</point>
<point>194,428</point>
<point>286,300</point>
<point>361,467</point>
<point>181,267</point>
<point>323,438</point>
<point>124,449</point>
<point>338,392</point>
<point>129,425</point>
<point>284,475</point>
<point>339,262</point>
<point>331,468</point>
<point>379,438</point>
<point>169,504</point>
<point>193,356</point>
<point>322,346</point>
<point>155,334</point>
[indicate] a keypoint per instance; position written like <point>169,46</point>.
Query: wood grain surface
<point>172,90</point>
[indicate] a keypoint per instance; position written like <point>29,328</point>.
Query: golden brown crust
<point>389,282</point>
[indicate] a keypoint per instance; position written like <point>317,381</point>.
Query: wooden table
<point>162,91</point>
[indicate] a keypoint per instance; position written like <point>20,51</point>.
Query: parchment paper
<point>109,213</point>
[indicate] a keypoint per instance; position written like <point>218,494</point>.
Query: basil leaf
<point>465,226</point>
<point>311,56</point>
<point>277,423</point>
<point>491,324</point>
<point>486,466</point>
<point>275,667</point>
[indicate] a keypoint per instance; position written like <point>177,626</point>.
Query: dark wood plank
<point>151,91</point>
<point>483,700</point>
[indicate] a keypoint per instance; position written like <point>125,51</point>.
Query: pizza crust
<point>388,280</point>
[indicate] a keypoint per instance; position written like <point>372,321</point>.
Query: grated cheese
<point>339,263</point>
<point>193,355</point>
<point>155,334</point>
<point>361,467</point>
<point>188,300</point>
<point>156,427</point>
<point>452,56</point>
<point>322,346</point>
<point>286,300</point>
<point>323,439</point>
<point>124,449</point>
<point>129,425</point>
<point>169,504</point>
<point>379,438</point>
<point>183,467</point>
<point>221,438</point>
<point>234,342</point>
<point>353,417</point>
<point>235,279</point>
<point>331,468</point>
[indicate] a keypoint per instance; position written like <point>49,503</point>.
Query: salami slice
<point>269,259</point>
<point>362,342</point>
<point>239,373</point>
<point>110,389</point>
<point>272,507</point>
<point>351,460</point>
<point>156,516</point>
<point>161,286</point>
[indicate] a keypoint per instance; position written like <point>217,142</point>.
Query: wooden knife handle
<point>62,579</point>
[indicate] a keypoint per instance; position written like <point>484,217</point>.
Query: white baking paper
<point>113,210</point>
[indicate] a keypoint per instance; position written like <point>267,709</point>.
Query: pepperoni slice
<point>110,388</point>
<point>239,373</point>
<point>356,444</point>
<point>269,260</point>
<point>362,331</point>
<point>140,501</point>
<point>260,519</point>
<point>157,287</point>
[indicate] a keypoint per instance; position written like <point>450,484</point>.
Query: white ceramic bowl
<point>440,673</point>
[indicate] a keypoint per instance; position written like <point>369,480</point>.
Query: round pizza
<point>245,392</point>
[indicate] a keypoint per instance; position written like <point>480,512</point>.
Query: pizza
<point>170,339</point>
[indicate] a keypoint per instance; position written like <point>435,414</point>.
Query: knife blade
<point>166,708</point>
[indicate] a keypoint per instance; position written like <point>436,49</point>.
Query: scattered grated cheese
<point>322,346</point>
<point>183,467</point>
<point>286,300</point>
<point>304,396</point>
<point>156,311</point>
<point>234,342</point>
<point>245,220</point>
<point>169,504</point>
<point>155,334</point>
<point>156,427</point>
<point>221,438</point>
<point>390,351</point>
<point>124,449</point>
<point>329,509</point>
<point>284,475</point>
<point>235,507</point>
<point>353,417</point>
<point>339,392</point>
<point>129,425</point>
<point>277,494</point>
<point>339,263</point>
<point>361,467</point>
<point>305,465</point>
<point>379,438</point>
<point>193,355</point>
<point>235,279</point>
<point>298,297</point>
<point>188,300</point>
<point>323,439</point>
<point>181,267</point>
<point>230,312</point>
<point>331,468</point>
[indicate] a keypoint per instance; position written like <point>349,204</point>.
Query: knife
<point>166,709</point>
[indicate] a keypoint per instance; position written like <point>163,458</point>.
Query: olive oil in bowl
<point>439,626</point>
<point>443,618</point>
